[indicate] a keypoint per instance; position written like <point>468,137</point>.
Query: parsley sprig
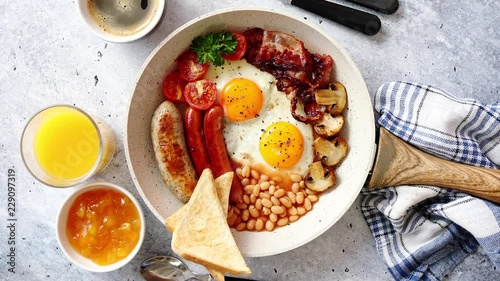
<point>211,47</point>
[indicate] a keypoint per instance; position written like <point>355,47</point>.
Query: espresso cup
<point>121,21</point>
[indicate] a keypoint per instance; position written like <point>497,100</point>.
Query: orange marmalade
<point>103,225</point>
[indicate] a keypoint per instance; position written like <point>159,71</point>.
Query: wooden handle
<point>399,163</point>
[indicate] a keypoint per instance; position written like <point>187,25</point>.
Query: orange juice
<point>66,144</point>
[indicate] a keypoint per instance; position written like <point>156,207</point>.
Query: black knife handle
<point>384,6</point>
<point>361,21</point>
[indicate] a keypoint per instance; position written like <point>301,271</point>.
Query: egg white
<point>242,138</point>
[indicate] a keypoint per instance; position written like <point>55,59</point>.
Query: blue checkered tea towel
<point>423,232</point>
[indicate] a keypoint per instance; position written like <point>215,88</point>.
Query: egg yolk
<point>241,99</point>
<point>281,145</point>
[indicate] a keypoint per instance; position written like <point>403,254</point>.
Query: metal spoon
<point>167,268</point>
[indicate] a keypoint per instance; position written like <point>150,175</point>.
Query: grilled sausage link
<point>217,150</point>
<point>167,134</point>
<point>197,148</point>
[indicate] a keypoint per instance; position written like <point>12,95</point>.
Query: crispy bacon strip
<point>278,53</point>
<point>307,113</point>
<point>299,73</point>
<point>322,70</point>
<point>254,42</point>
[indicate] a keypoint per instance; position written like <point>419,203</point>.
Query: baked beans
<point>268,203</point>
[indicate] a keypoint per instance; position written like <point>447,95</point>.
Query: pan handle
<point>399,163</point>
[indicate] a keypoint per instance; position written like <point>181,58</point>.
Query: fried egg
<point>259,129</point>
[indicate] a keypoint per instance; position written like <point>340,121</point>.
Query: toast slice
<point>223,185</point>
<point>203,236</point>
<point>217,275</point>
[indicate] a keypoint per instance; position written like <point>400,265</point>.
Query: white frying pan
<point>359,130</point>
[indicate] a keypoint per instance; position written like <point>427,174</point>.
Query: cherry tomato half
<point>200,94</point>
<point>241,48</point>
<point>173,87</point>
<point>189,67</point>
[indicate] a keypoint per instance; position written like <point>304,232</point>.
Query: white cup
<point>73,255</point>
<point>121,21</point>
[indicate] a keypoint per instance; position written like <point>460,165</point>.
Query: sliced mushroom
<point>329,125</point>
<point>319,178</point>
<point>335,97</point>
<point>330,152</point>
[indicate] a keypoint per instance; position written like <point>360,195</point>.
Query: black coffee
<point>122,17</point>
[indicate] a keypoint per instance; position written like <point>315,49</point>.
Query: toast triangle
<point>203,236</point>
<point>223,184</point>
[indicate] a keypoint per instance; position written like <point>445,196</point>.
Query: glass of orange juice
<point>63,146</point>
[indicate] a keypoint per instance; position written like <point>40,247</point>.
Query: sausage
<point>217,150</point>
<point>167,134</point>
<point>197,148</point>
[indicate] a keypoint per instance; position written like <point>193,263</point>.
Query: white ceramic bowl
<point>73,255</point>
<point>359,130</point>
<point>83,10</point>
